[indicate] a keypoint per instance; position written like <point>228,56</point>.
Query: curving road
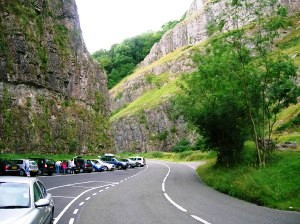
<point>162,192</point>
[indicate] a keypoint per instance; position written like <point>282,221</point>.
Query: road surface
<point>161,192</point>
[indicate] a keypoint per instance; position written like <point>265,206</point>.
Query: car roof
<point>16,179</point>
<point>109,155</point>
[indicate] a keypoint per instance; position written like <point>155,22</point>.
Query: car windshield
<point>14,195</point>
<point>17,161</point>
<point>32,163</point>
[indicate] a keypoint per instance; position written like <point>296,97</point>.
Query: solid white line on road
<point>71,221</point>
<point>199,219</point>
<point>61,197</point>
<point>163,187</point>
<point>173,203</point>
<point>72,185</point>
<point>75,211</point>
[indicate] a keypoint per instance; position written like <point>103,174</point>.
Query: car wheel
<point>51,221</point>
<point>93,170</point>
<point>22,173</point>
<point>119,167</point>
<point>105,168</point>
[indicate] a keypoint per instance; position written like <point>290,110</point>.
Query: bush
<point>182,146</point>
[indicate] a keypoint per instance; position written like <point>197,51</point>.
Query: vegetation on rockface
<point>239,88</point>
<point>68,128</point>
<point>40,59</point>
<point>121,59</point>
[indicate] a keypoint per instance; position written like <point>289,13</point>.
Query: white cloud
<point>107,22</point>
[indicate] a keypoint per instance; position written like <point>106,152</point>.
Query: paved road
<point>162,192</point>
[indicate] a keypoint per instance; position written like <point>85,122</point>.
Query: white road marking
<point>75,211</point>
<point>94,194</point>
<point>88,198</point>
<point>56,219</point>
<point>163,187</point>
<point>61,197</point>
<point>72,185</point>
<point>71,221</point>
<point>173,203</point>
<point>199,219</point>
<point>100,191</point>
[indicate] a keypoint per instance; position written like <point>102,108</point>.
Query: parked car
<point>140,161</point>
<point>107,166</point>
<point>97,167</point>
<point>130,162</point>
<point>33,167</point>
<point>25,200</point>
<point>8,168</point>
<point>45,165</point>
<point>107,158</point>
<point>85,165</point>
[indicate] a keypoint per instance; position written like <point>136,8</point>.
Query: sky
<point>107,22</point>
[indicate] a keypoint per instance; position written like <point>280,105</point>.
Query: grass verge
<point>276,186</point>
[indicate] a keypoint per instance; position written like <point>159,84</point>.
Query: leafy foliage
<point>121,59</point>
<point>239,87</point>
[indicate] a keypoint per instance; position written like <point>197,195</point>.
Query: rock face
<point>157,130</point>
<point>53,97</point>
<point>151,130</point>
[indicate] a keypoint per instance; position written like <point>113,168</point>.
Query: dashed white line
<point>94,194</point>
<point>163,187</point>
<point>75,211</point>
<point>88,198</point>
<point>199,219</point>
<point>75,198</point>
<point>71,220</point>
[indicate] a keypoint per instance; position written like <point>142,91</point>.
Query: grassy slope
<point>276,186</point>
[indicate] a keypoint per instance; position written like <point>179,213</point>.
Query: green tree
<point>241,78</point>
<point>121,59</point>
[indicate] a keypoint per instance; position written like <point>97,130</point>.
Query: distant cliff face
<point>155,128</point>
<point>194,29</point>
<point>53,97</point>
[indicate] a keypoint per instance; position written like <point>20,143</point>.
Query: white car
<point>25,200</point>
<point>107,166</point>
<point>33,166</point>
<point>140,161</point>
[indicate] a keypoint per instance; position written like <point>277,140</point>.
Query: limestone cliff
<point>53,97</point>
<point>138,123</point>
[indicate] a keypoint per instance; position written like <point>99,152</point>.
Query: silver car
<point>25,200</point>
<point>107,166</point>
